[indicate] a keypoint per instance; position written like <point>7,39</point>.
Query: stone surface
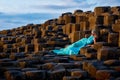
<point>26,51</point>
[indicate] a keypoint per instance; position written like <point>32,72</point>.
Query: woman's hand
<point>90,45</point>
<point>95,39</point>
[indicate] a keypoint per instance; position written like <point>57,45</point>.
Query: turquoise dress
<point>74,48</point>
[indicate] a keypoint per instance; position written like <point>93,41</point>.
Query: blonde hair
<point>93,31</point>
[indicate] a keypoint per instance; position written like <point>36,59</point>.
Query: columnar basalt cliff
<point>25,52</point>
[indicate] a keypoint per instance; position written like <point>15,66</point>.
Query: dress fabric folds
<point>74,48</point>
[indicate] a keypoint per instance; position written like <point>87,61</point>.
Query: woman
<point>74,48</point>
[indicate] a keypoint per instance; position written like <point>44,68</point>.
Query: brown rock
<point>48,66</point>
<point>84,25</point>
<point>104,74</point>
<point>116,27</point>
<point>109,19</point>
<point>7,46</point>
<point>79,73</point>
<point>57,74</point>
<point>14,75</point>
<point>117,68</point>
<point>60,20</point>
<point>83,50</point>
<point>94,66</point>
<point>7,50</point>
<point>112,62</point>
<point>4,38</point>
<point>85,66</point>
<point>119,40</point>
<point>107,53</point>
<point>15,56</point>
<point>21,49</point>
<point>91,55</point>
<point>29,48</point>
<point>115,9</point>
<point>69,18</point>
<point>77,12</point>
<point>94,21</point>
<point>36,74</point>
<point>75,27</point>
<point>78,58</point>
<point>77,35</point>
<point>38,47</point>
<point>80,19</point>
<point>9,64</point>
<point>113,39</point>
<point>92,69</point>
<point>99,45</point>
<point>117,21</point>
<point>68,28</point>
<point>100,10</point>
<point>70,78</point>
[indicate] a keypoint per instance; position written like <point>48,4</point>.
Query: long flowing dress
<point>74,48</point>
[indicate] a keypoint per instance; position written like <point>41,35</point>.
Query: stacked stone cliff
<point>25,51</point>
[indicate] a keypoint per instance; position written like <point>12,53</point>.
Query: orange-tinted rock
<point>100,10</point>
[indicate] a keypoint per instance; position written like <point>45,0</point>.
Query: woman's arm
<point>95,40</point>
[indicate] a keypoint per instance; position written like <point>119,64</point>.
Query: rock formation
<point>25,52</point>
